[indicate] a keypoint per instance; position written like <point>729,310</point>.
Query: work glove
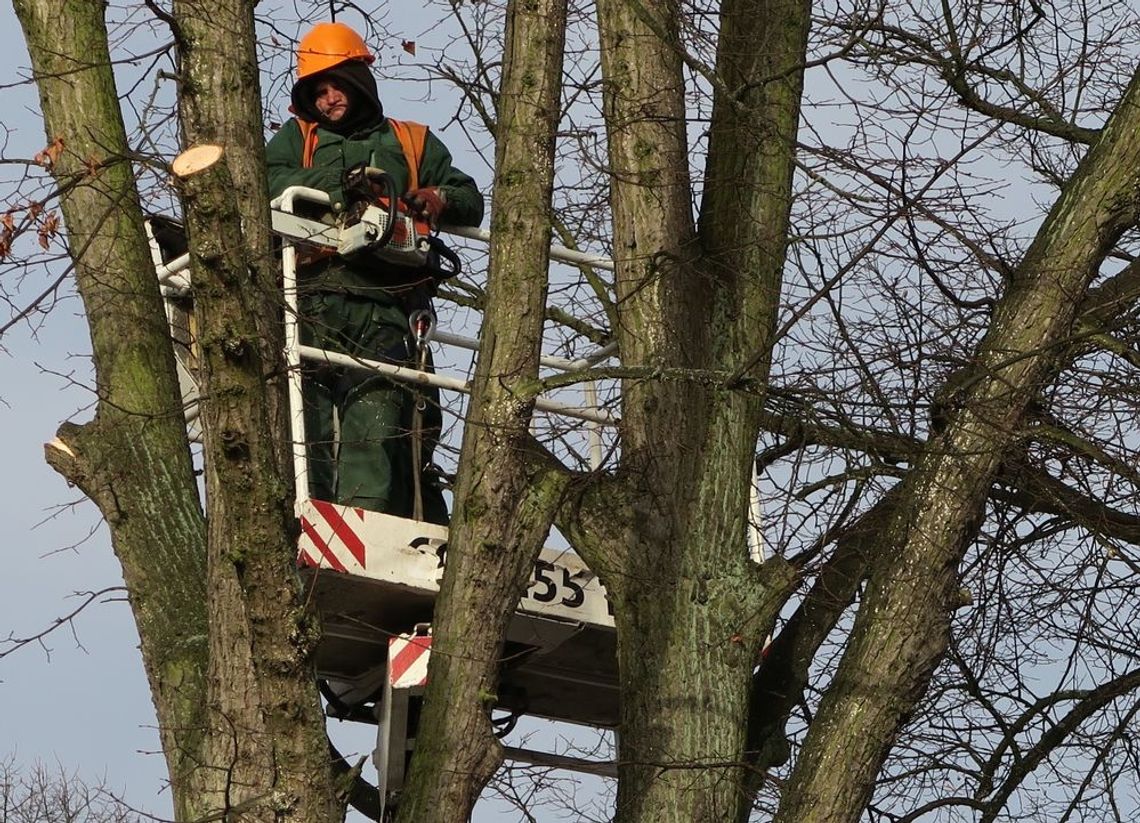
<point>363,182</point>
<point>355,183</point>
<point>427,204</point>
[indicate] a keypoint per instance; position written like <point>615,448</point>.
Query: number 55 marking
<point>542,569</point>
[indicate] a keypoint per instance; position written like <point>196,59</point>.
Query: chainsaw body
<point>392,235</point>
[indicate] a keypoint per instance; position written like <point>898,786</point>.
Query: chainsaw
<point>377,221</point>
<point>377,224</point>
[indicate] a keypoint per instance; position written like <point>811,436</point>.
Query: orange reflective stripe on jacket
<point>412,137</point>
<point>308,142</point>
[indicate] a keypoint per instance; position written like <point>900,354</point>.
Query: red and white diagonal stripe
<point>408,656</point>
<point>330,539</point>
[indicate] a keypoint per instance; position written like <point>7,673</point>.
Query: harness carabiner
<point>422,325</point>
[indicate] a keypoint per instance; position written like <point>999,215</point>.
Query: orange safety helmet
<point>328,45</point>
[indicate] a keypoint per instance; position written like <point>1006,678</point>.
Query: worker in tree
<point>367,445</point>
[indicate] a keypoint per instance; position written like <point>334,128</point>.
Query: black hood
<point>364,108</point>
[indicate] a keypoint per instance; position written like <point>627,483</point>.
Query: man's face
<point>331,100</point>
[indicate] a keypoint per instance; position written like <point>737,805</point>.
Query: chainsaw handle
<point>381,177</point>
<point>445,263</point>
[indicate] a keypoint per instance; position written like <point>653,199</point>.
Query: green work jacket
<point>377,147</point>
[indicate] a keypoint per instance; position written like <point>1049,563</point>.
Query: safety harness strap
<point>309,142</point>
<point>412,137</point>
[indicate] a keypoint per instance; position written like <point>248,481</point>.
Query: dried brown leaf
<point>48,229</point>
<point>50,155</point>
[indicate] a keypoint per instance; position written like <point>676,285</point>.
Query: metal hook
<point>422,325</point>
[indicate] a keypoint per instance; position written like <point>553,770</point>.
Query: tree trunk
<point>132,459</point>
<point>268,739</point>
<point>220,101</point>
<point>697,311</point>
<point>508,493</point>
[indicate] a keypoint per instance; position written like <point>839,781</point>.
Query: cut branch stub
<point>196,159</point>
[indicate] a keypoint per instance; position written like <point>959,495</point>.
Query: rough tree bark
<point>266,723</point>
<point>696,312</point>
<point>267,739</point>
<point>220,100</point>
<point>508,492</point>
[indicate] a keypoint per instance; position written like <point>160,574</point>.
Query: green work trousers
<point>358,424</point>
